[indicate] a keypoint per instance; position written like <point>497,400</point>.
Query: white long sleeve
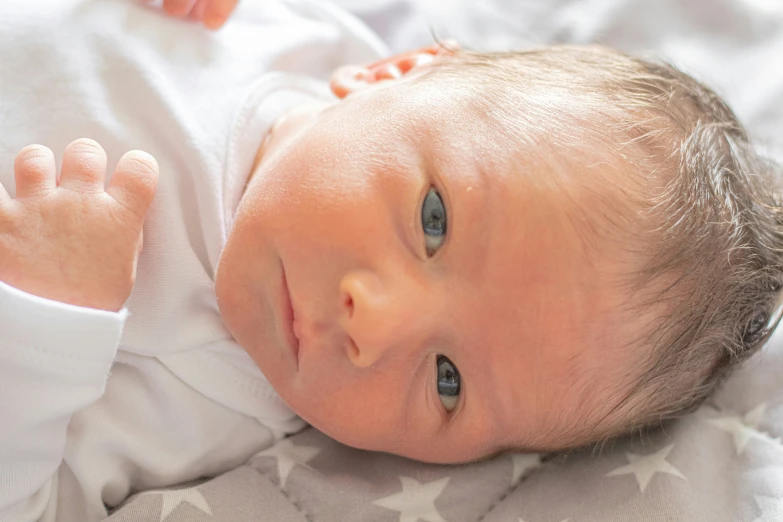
<point>54,360</point>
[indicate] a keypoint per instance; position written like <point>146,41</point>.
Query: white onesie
<point>95,406</point>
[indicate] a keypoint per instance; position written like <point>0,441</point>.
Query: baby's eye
<point>433,219</point>
<point>448,382</point>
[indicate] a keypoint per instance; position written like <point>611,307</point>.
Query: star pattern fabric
<point>289,455</point>
<point>416,501</point>
<point>743,429</point>
<point>351,482</point>
<point>644,467</point>
<point>172,498</point>
<point>522,463</point>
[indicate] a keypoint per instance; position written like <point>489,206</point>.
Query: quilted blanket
<point>721,463</point>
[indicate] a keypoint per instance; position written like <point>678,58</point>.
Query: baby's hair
<point>706,226</point>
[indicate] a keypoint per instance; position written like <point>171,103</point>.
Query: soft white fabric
<point>95,406</point>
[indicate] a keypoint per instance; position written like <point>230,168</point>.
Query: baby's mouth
<point>296,342</point>
<point>289,318</point>
<point>296,329</point>
<point>295,326</point>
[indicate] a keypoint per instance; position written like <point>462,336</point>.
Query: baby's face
<point>444,307</point>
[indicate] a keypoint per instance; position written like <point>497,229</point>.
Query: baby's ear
<point>353,78</point>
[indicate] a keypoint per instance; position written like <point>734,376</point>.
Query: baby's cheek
<point>356,413</point>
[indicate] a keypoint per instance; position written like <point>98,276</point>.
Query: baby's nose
<point>376,318</point>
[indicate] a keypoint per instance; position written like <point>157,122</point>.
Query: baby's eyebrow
<point>469,198</point>
<point>479,174</point>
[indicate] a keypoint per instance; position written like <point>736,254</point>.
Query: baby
<point>451,255</point>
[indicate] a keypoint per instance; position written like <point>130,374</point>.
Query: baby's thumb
<point>134,182</point>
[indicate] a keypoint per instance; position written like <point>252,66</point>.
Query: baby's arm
<point>68,253</point>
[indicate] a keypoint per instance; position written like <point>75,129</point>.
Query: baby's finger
<point>35,171</point>
<point>134,182</point>
<point>198,10</point>
<point>178,7</point>
<point>84,166</point>
<point>218,12</point>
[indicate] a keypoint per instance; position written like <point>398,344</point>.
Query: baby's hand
<point>74,241</point>
<point>212,13</point>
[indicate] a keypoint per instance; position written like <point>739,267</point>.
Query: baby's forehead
<point>544,305</point>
